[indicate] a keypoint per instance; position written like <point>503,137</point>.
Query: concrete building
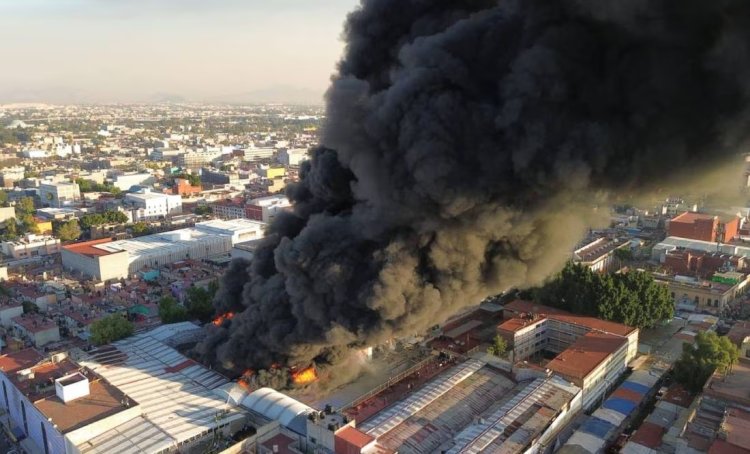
<point>704,227</point>
<point>31,246</point>
<point>197,159</point>
<point>590,353</point>
<point>106,259</point>
<point>183,187</point>
<point>7,213</point>
<point>8,312</point>
<point>11,175</point>
<point>292,157</point>
<point>34,154</point>
<point>672,243</point>
<point>39,330</point>
<point>266,209</point>
<point>228,209</point>
<point>60,194</point>
<point>165,155</point>
<point>600,254</point>
<point>126,181</point>
<point>149,205</point>
<point>694,294</point>
<point>703,264</point>
<point>136,395</point>
<point>257,154</point>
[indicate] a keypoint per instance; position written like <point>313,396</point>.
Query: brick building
<point>692,262</point>
<point>704,227</point>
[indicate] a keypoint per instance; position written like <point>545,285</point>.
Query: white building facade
<point>60,194</point>
<point>149,205</point>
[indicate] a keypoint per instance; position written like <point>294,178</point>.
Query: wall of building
<point>46,336</point>
<point>699,229</point>
<point>7,313</point>
<point>102,268</point>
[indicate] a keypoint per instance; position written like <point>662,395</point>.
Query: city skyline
<point>88,51</point>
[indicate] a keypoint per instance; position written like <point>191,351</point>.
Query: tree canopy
<point>199,303</point>
<point>632,298</point>
<point>170,311</point>
<point>69,231</point>
<point>92,186</point>
<point>699,360</point>
<point>498,348</point>
<point>110,329</point>
<point>108,217</point>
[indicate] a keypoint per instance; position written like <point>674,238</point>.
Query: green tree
<point>199,304</point>
<point>203,210</point>
<point>69,231</point>
<point>3,198</point>
<point>699,360</point>
<point>170,311</point>
<point>633,298</point>
<point>110,329</point>
<point>25,206</point>
<point>28,307</point>
<point>498,348</point>
<point>11,229</point>
<point>140,229</point>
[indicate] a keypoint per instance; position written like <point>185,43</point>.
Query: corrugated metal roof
<point>177,403</point>
<point>586,441</point>
<point>613,417</point>
<point>276,406</point>
<point>392,417</point>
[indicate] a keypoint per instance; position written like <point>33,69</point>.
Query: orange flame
<point>221,318</point>
<point>305,376</point>
<point>244,380</point>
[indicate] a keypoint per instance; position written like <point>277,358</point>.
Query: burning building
<point>466,149</point>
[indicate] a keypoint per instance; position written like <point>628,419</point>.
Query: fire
<point>305,376</point>
<point>244,380</point>
<point>221,318</point>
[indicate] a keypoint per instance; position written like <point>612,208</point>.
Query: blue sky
<point>132,50</point>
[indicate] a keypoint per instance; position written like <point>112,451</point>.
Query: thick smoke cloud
<point>474,143</point>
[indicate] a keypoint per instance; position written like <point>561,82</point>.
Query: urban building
<point>672,243</point>
<point>136,395</point>
<point>126,181</point>
<point>184,188</point>
<point>9,176</point>
<point>147,205</point>
<point>7,213</point>
<point>197,159</point>
<point>600,254</point>
<point>704,227</point>
<point>703,264</point>
<point>292,156</point>
<point>105,259</point>
<point>60,194</point>
<point>34,154</point>
<point>590,353</point>
<point>694,294</point>
<point>37,329</point>
<point>165,155</point>
<point>31,245</point>
<point>265,209</point>
<point>257,154</point>
<point>228,209</point>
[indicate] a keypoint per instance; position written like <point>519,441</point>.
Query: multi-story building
<point>228,209</point>
<point>31,246</point>
<point>38,329</point>
<point>257,154</point>
<point>10,175</point>
<point>126,181</point>
<point>60,194</point>
<point>197,159</point>
<point>704,227</point>
<point>692,262</point>
<point>184,188</point>
<point>149,205</point>
<point>62,406</point>
<point>107,260</point>
<point>694,294</point>
<point>165,154</point>
<point>267,208</point>
<point>600,254</point>
<point>292,156</point>
<point>591,353</point>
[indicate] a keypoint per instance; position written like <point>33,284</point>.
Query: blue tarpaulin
<point>619,405</point>
<point>597,427</point>
<point>637,387</point>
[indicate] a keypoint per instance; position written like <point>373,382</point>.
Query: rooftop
<point>34,323</point>
<point>734,387</point>
<point>581,358</point>
<point>89,249</point>
<point>598,249</point>
<point>521,307</point>
<point>11,363</point>
<point>355,437</point>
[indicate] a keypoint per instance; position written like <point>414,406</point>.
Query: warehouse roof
<point>279,407</point>
<point>585,355</point>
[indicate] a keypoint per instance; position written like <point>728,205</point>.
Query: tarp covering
<point>620,405</point>
<point>628,394</point>
<point>597,427</point>
<point>634,386</point>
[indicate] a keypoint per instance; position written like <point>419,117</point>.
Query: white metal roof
<point>387,420</point>
<point>275,405</point>
<point>175,393</point>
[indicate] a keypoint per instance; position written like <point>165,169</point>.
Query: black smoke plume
<point>468,145</point>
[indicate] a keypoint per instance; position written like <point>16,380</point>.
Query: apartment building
<point>58,195</point>
<point>149,205</point>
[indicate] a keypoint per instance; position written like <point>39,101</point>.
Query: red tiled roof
<point>355,437</point>
<point>649,435</point>
<point>23,359</point>
<point>282,443</point>
<point>34,323</point>
<point>520,306</point>
<point>581,358</point>
<point>87,248</point>
<point>691,216</point>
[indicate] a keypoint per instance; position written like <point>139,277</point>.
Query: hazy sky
<point>136,50</point>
